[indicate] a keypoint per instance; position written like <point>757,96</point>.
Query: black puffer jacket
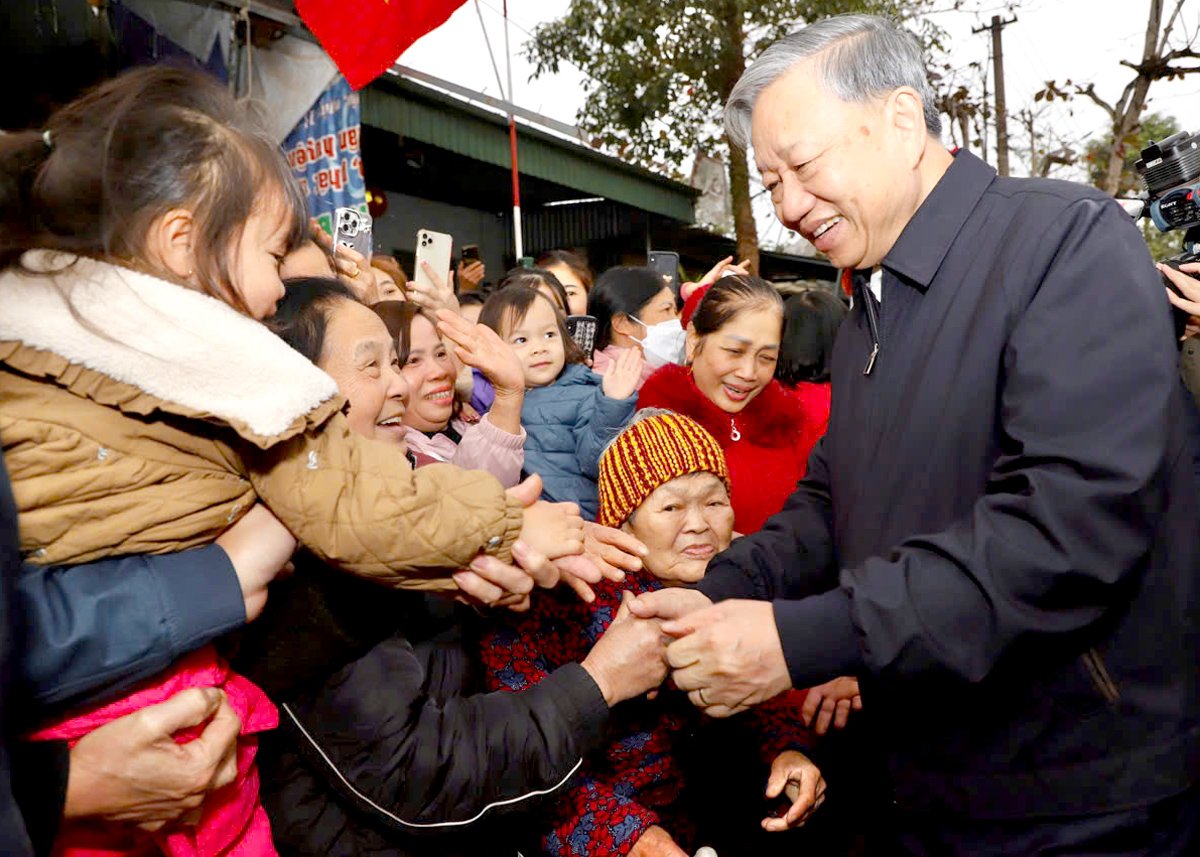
<point>395,752</point>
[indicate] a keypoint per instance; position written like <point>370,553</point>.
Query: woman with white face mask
<point>635,308</point>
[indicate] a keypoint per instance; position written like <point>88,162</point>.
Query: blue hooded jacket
<point>567,425</point>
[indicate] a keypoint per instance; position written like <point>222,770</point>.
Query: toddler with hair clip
<point>570,412</point>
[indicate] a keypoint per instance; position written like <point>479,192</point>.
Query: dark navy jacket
<point>999,530</point>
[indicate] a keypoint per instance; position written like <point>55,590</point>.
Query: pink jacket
<point>602,359</point>
<point>483,447</point>
<point>233,823</point>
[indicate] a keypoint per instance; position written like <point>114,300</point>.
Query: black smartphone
<point>470,253</point>
<point>582,328</point>
<point>666,264</point>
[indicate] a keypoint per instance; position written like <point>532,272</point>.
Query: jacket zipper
<point>873,323</point>
<point>1100,676</point>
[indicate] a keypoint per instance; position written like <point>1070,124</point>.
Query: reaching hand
<point>131,771</point>
<point>352,267</point>
<point>656,842</point>
<point>613,551</point>
<point>623,374</point>
<point>794,775</point>
<point>1189,287</point>
<point>669,604</point>
<point>831,702</point>
<point>627,660</point>
<point>482,348</point>
<point>470,275</point>
<point>714,273</point>
<point>728,657</point>
<point>552,529</point>
<point>438,296</point>
<point>259,547</point>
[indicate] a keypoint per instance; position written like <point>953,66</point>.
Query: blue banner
<point>324,151</point>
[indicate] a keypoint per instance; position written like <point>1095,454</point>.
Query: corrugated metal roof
<point>420,113</point>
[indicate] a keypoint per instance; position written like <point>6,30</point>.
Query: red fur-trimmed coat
<point>637,780</point>
<point>774,437</point>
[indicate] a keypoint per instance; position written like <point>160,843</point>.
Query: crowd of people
<point>306,556</point>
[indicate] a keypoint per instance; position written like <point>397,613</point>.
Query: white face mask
<point>664,342</point>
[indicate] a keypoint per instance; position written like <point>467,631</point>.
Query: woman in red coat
<point>728,386</point>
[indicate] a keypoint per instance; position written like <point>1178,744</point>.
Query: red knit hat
<point>649,453</point>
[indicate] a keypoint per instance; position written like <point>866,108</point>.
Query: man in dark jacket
<point>998,532</point>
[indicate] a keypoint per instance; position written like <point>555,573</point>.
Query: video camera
<point>1170,170</point>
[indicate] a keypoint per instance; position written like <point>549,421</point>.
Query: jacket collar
<point>177,345</point>
<point>772,419</point>
<point>925,241</point>
<point>577,374</point>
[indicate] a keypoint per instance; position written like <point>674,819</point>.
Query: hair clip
<point>47,139</point>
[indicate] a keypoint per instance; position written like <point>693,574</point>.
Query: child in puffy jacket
<point>570,412</point>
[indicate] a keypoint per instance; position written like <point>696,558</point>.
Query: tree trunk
<point>1128,111</point>
<point>743,215</point>
<point>732,65</point>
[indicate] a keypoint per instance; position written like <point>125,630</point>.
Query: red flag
<point>364,37</point>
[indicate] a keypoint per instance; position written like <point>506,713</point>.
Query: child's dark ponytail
<point>135,147</point>
<point>22,155</point>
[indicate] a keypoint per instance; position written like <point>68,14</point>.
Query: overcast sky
<point>1083,40</point>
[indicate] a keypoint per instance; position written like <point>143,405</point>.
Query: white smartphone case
<point>434,248</point>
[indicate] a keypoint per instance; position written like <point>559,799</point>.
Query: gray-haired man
<point>998,532</point>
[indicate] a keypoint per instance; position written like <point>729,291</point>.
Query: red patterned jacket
<point>634,782</point>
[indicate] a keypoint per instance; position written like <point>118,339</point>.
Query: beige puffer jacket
<point>138,416</point>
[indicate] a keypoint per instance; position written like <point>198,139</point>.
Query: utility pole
<point>998,73</point>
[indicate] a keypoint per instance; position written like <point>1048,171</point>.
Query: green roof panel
<point>419,113</point>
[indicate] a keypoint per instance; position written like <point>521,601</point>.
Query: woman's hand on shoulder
<point>480,347</point>
<point>621,377</point>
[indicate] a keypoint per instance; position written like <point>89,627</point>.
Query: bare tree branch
<point>1090,92</point>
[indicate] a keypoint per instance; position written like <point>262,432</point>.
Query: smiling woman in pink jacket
<point>435,432</point>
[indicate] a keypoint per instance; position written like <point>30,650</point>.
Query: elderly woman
<point>664,481</point>
<point>381,699</point>
<point>728,386</point>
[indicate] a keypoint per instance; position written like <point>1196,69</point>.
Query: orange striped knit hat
<point>649,453</point>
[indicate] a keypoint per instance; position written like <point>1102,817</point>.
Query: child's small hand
<point>480,347</point>
<point>795,776</point>
<point>613,551</point>
<point>552,529</point>
<point>622,375</point>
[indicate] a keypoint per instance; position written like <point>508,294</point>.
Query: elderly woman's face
<point>684,523</point>
<point>361,357</point>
